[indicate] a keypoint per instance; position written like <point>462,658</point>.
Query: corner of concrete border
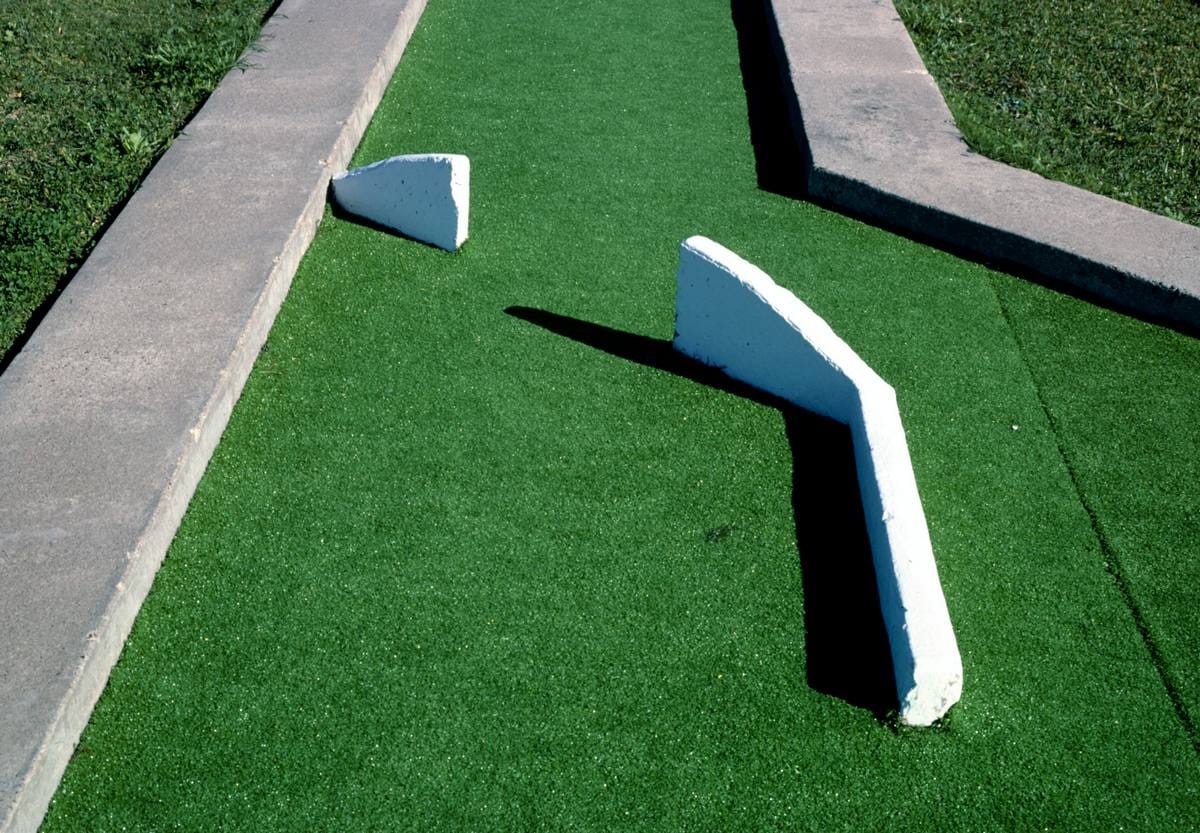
<point>878,142</point>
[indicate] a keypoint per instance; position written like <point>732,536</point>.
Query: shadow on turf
<point>336,210</point>
<point>846,646</point>
<point>780,161</point>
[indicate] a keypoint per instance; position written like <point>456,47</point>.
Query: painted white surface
<point>423,196</point>
<point>731,315</point>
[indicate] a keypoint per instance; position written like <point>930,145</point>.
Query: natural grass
<point>459,564</point>
<point>90,94</point>
<point>1103,94</point>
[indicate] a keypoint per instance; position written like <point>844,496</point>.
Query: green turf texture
<point>452,570</point>
<point>1103,94</point>
<point>1124,398</point>
<point>91,92</point>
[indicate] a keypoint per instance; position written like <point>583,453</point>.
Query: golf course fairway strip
<point>475,554</point>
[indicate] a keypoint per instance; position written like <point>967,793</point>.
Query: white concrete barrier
<point>423,196</point>
<point>731,315</point>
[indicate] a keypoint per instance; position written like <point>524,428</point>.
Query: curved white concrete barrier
<point>423,196</point>
<point>730,314</point>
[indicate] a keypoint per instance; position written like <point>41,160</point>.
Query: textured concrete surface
<point>423,196</point>
<point>731,315</point>
<point>880,143</point>
<point>111,411</point>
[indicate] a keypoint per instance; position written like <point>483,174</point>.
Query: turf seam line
<point>1112,564</point>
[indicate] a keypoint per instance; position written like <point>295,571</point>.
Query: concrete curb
<point>111,411</point>
<point>730,314</point>
<point>881,143</point>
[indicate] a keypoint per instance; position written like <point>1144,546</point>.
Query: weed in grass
<point>135,143</point>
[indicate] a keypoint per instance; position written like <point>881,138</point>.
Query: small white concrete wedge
<point>731,315</point>
<point>423,196</point>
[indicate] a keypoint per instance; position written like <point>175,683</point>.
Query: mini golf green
<point>476,553</point>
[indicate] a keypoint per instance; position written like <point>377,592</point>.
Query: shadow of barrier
<point>846,643</point>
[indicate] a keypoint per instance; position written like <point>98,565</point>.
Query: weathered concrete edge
<point>743,322</point>
<point>1132,292</point>
<point>857,187</point>
<point>925,658</point>
<point>33,797</point>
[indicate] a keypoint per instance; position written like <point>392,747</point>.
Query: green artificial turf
<point>91,92</point>
<point>1103,94</point>
<point>1125,400</point>
<point>464,561</point>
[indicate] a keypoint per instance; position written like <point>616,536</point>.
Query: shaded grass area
<point>90,94</point>
<point>453,567</point>
<point>1101,94</point>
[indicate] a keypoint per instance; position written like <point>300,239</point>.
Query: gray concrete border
<point>112,410</point>
<point>880,143</point>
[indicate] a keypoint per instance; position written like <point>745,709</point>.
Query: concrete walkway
<point>112,410</point>
<point>881,144</point>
